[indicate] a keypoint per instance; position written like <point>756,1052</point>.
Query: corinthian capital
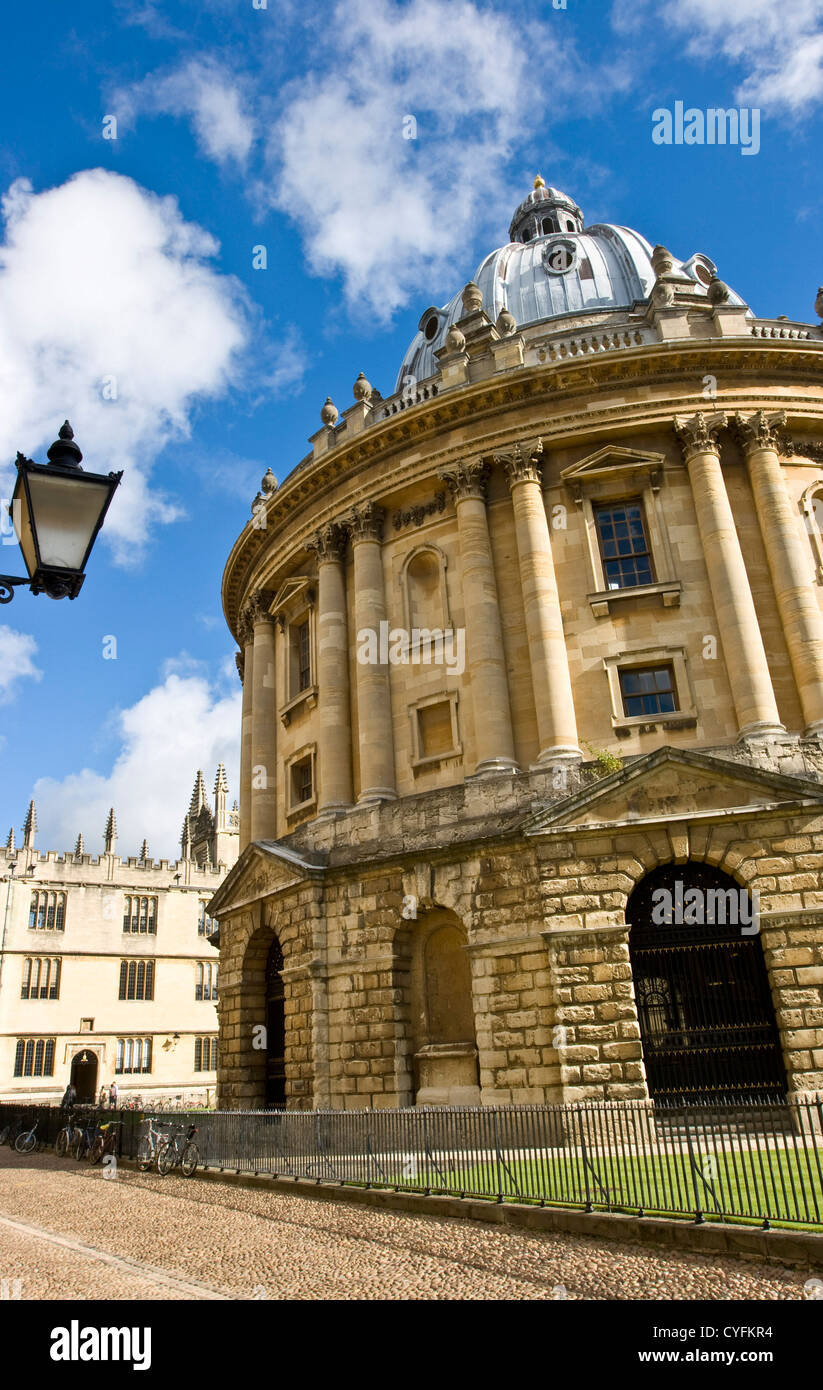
<point>522,463</point>
<point>759,431</point>
<point>256,610</point>
<point>698,433</point>
<point>466,480</point>
<point>328,543</point>
<point>240,663</point>
<point>365,521</point>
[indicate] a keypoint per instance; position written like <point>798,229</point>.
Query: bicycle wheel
<point>189,1159</point>
<point>25,1143</point>
<point>96,1150</point>
<point>61,1143</point>
<point>165,1157</point>
<point>80,1147</point>
<point>145,1154</point>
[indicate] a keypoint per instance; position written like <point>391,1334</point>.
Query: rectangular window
<point>205,1054</point>
<point>624,545</point>
<point>133,1055</point>
<point>206,980</point>
<point>136,979</point>
<point>206,925</point>
<point>301,781</point>
<point>41,978</point>
<point>140,915</point>
<point>47,911</point>
<point>300,673</point>
<point>648,691</point>
<point>34,1057</point>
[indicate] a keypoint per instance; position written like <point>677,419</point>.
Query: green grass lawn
<point>785,1186</point>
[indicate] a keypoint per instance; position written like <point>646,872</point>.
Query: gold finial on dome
<point>539,182</point>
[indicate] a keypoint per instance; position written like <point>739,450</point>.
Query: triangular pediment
<point>609,462</point>
<point>289,590</point>
<point>675,784</point>
<point>264,868</point>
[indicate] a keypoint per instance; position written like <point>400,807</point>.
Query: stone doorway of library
<point>84,1069</point>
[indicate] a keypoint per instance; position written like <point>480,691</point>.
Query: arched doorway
<point>275,1028</point>
<point>84,1075</point>
<point>707,1022</point>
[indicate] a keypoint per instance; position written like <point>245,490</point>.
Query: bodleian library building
<point>531,804</point>
<point>108,972</point>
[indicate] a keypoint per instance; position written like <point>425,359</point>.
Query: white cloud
<point>202,91</point>
<point>780,45</point>
<point>16,661</point>
<point>182,724</point>
<point>384,211</point>
<point>105,288</point>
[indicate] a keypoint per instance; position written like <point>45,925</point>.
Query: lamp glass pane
<point>22,526</point>
<point>66,512</point>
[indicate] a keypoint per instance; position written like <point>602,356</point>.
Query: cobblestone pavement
<point>68,1232</point>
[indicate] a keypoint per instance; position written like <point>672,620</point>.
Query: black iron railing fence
<point>755,1162</point>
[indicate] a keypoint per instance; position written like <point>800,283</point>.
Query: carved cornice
<point>759,431</point>
<point>697,433</point>
<point>329,543</point>
<point>466,479</point>
<point>523,464</point>
<point>365,522</point>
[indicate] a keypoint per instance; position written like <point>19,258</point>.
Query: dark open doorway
<point>707,1021</point>
<point>275,1028</point>
<point>84,1075</point>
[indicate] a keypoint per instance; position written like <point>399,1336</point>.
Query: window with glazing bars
<point>34,1057</point>
<point>205,1054</point>
<point>140,914</point>
<point>47,911</point>
<point>206,925</point>
<point>41,978</point>
<point>624,545</point>
<point>648,691</point>
<point>136,979</point>
<point>133,1055</point>
<point>206,986</point>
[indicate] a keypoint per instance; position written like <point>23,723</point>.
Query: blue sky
<point>129,261</point>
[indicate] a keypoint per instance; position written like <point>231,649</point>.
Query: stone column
<point>788,561</point>
<point>374,715</point>
<point>263,799</point>
<point>334,754</point>
<point>551,680</point>
<point>245,664</point>
<point>484,633</point>
<point>738,629</point>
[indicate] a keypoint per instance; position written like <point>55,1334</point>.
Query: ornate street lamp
<point>57,510</point>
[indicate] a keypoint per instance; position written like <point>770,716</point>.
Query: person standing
<point>69,1097</point>
<point>103,1097</point>
<point>113,1096</point>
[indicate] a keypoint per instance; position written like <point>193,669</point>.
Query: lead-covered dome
<point>553,265</point>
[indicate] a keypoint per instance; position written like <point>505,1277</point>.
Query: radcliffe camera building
<point>462,878</point>
<point>107,967</point>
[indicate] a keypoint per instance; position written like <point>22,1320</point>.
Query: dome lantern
<point>543,211</point>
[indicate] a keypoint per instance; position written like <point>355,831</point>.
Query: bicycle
<point>10,1132</point>
<point>27,1142</point>
<point>85,1139</point>
<point>67,1137</point>
<point>149,1144</point>
<point>179,1149</point>
<point>105,1141</point>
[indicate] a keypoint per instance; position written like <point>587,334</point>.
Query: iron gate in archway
<point>707,1022</point>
